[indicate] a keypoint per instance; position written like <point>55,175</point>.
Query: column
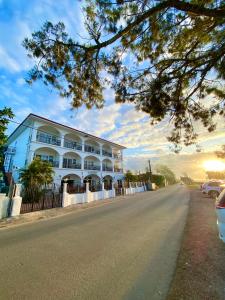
<point>82,163</point>
<point>100,149</point>
<point>60,161</point>
<point>16,201</point>
<point>62,140</point>
<point>83,144</point>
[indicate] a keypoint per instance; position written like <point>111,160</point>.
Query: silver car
<point>220,211</point>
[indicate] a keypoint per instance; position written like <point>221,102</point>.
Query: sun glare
<point>214,165</point>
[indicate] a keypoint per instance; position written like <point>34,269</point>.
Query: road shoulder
<point>201,262</point>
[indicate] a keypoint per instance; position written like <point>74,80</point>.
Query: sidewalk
<point>200,272</point>
<point>54,212</point>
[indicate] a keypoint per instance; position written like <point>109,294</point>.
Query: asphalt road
<point>126,249</point>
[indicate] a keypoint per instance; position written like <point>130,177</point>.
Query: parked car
<point>220,211</point>
<point>213,188</point>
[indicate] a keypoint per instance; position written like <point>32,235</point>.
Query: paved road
<point>123,250</point>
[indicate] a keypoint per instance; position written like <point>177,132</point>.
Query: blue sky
<point>119,123</point>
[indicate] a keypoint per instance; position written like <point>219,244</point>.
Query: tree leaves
<point>177,59</point>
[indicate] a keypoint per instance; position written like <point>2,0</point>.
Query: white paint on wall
<point>4,202</point>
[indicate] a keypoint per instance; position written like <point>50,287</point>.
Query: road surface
<point>126,249</point>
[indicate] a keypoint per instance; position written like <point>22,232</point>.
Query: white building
<point>75,155</point>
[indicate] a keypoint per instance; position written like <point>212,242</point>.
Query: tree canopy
<point>167,57</point>
<point>5,115</point>
<point>37,174</point>
<point>167,173</point>
<point>221,154</point>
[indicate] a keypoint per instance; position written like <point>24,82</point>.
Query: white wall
<point>131,190</point>
<point>21,145</point>
<point>4,202</point>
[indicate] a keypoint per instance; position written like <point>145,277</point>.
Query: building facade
<point>76,156</point>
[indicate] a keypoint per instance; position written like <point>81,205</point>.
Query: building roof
<point>31,115</point>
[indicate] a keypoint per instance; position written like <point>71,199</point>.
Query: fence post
<point>88,193</point>
<point>103,190</point>
<point>16,201</point>
<point>65,198</point>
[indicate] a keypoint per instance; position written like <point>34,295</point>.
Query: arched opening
<point>108,180</point>
<point>106,150</point>
<point>118,167</point>
<point>72,141</point>
<point>74,184</point>
<point>49,155</point>
<point>107,165</point>
<point>71,160</point>
<point>49,135</point>
<point>94,182</point>
<point>117,154</point>
<point>92,163</point>
<point>91,146</point>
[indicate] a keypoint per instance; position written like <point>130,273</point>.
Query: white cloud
<point>8,62</point>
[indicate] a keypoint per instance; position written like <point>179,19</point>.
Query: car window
<point>221,198</point>
<point>214,183</point>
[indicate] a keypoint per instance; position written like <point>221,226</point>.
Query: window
<point>221,199</point>
<point>214,184</point>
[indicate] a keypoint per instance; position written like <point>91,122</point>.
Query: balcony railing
<point>72,145</point>
<point>91,149</point>
<point>92,167</point>
<point>118,170</point>
<point>10,150</point>
<point>71,165</point>
<point>106,168</point>
<point>116,155</point>
<point>54,163</point>
<point>106,153</point>
<point>48,139</point>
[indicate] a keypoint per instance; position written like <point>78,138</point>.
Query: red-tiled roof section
<point>91,135</point>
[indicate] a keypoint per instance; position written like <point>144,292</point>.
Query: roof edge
<point>68,127</point>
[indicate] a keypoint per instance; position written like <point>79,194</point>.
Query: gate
<point>119,191</point>
<point>49,199</point>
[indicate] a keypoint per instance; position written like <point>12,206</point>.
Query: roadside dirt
<point>200,272</point>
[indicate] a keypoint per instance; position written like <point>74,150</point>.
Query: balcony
<point>91,149</point>
<point>107,168</point>
<point>117,156</point>
<point>48,139</point>
<point>53,163</point>
<point>106,153</point>
<point>70,165</point>
<point>72,145</point>
<point>91,167</point>
<point>10,150</point>
<point>118,170</point>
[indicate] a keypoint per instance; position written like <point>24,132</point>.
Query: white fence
<point>4,203</point>
<point>86,197</point>
<point>68,199</point>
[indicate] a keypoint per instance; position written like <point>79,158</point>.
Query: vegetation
<point>221,154</point>
<point>34,177</point>
<point>5,115</point>
<point>167,173</point>
<point>215,175</point>
<point>159,180</point>
<point>164,56</point>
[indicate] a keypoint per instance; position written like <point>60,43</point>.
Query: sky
<point>118,123</point>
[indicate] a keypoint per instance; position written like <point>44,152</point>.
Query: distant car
<point>220,211</point>
<point>213,188</point>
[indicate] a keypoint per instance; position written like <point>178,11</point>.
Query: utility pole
<point>150,170</point>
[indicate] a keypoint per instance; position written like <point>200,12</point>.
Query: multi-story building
<point>75,155</point>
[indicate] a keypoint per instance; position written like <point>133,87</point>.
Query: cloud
<point>8,62</point>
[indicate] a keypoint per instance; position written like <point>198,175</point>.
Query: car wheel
<point>213,194</point>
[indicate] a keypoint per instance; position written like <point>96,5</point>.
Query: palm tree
<point>34,177</point>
